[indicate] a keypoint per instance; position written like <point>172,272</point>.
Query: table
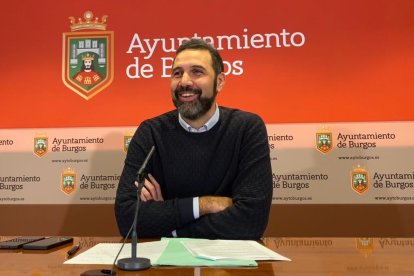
<point>310,256</point>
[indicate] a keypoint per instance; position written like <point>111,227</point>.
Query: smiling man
<point>210,176</point>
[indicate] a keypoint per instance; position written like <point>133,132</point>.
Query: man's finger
<point>151,189</point>
<point>157,187</point>
<point>145,195</point>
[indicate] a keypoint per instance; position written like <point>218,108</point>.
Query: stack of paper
<point>105,253</point>
<point>183,252</point>
<point>231,250</point>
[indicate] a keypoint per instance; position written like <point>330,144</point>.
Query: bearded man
<point>210,175</point>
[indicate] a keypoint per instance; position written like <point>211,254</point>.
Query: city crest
<point>88,54</point>
<point>324,141</point>
<point>127,140</point>
<point>40,146</point>
<point>68,181</point>
<point>359,180</point>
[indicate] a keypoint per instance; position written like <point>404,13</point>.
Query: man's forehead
<point>193,57</point>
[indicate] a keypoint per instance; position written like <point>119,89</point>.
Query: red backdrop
<point>355,65</point>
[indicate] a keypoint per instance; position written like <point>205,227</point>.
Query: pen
<point>73,250</point>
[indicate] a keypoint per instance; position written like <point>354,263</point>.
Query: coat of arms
<point>40,145</point>
<point>127,140</point>
<point>88,56</point>
<point>324,141</point>
<point>68,181</point>
<point>359,180</point>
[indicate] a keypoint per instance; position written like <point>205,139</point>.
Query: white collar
<point>206,127</point>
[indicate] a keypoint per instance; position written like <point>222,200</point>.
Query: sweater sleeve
<point>252,192</point>
<point>155,218</point>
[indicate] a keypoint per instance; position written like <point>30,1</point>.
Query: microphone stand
<point>132,263</point>
<point>135,263</point>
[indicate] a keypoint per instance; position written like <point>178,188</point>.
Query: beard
<point>196,108</point>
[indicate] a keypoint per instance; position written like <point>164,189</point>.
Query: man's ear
<point>221,80</point>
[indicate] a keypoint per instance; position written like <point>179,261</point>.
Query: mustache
<point>186,88</point>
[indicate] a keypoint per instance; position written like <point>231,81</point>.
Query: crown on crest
<point>88,22</point>
<point>324,129</point>
<point>88,57</point>
<point>40,135</point>
<point>68,171</point>
<point>358,168</point>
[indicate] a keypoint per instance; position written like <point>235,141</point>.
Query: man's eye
<point>176,74</point>
<point>197,72</point>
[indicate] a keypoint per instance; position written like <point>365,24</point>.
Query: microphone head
<point>142,170</point>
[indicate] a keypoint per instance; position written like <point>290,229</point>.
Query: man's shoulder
<point>237,115</point>
<point>239,123</point>
<point>168,119</point>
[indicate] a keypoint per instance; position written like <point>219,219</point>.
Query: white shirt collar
<point>206,127</point>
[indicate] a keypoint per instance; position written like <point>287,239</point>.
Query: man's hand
<point>151,190</point>
<point>214,204</point>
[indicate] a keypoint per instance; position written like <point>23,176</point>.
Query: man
<point>87,76</point>
<point>210,175</point>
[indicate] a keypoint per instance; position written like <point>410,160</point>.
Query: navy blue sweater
<point>231,159</point>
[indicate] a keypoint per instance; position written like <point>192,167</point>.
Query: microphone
<point>141,172</point>
<point>135,263</point>
<point>132,263</point>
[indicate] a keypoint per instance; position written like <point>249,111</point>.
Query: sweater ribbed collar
<point>206,127</point>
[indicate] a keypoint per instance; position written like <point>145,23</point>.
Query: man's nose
<point>186,79</point>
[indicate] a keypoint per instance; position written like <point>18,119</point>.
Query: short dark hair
<point>199,44</point>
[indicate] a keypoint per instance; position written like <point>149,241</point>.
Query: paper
<point>177,255</point>
<point>105,253</point>
<point>182,252</point>
<point>231,250</point>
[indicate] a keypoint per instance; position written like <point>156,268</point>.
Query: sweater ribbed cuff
<point>185,208</point>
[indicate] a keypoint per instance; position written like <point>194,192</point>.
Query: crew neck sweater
<point>231,159</point>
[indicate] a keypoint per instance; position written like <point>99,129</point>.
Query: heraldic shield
<point>40,146</point>
<point>324,141</point>
<point>88,56</point>
<point>359,180</point>
<point>68,181</point>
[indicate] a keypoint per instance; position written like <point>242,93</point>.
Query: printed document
<point>231,250</point>
<point>105,253</point>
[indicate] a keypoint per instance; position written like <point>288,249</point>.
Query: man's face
<point>87,63</point>
<point>194,85</point>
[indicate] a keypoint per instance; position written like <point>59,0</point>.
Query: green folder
<point>176,254</point>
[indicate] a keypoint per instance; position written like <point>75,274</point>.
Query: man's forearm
<point>214,204</point>
<point>156,218</point>
<point>240,221</point>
